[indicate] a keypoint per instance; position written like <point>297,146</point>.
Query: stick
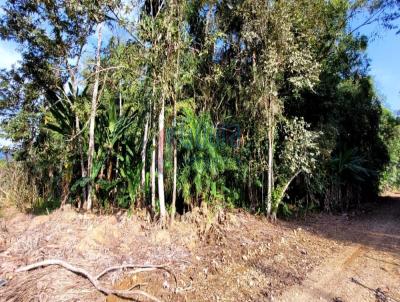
<point>132,272</point>
<point>127,294</point>
<point>377,292</point>
<point>4,192</point>
<point>140,268</point>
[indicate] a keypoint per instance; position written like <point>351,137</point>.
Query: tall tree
<point>281,52</point>
<point>93,111</point>
<point>54,35</point>
<point>160,162</point>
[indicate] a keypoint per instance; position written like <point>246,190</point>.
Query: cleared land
<point>215,257</point>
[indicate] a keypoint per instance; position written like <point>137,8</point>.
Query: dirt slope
<point>367,269</point>
<point>216,257</point>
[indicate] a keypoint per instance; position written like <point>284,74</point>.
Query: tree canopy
<point>266,105</point>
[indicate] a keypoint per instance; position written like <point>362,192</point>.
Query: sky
<point>384,54</point>
<point>8,56</point>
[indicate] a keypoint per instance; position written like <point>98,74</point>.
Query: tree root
<point>127,294</point>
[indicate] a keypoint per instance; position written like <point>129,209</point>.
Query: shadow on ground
<point>376,226</point>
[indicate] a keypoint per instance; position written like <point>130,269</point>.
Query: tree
<point>281,55</point>
<point>54,35</point>
<point>93,112</point>
<point>246,72</point>
<point>390,133</point>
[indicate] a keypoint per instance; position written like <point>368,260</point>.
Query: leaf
<point>82,182</point>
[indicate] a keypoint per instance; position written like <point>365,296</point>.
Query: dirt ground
<point>223,256</point>
<point>367,268</point>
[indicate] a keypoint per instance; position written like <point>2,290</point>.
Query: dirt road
<point>367,269</point>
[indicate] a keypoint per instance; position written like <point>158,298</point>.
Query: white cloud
<point>5,142</point>
<point>8,54</point>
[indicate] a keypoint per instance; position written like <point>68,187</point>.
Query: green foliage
<point>390,133</point>
<point>205,162</point>
<point>288,73</point>
<point>298,153</point>
<point>348,167</point>
<point>299,149</point>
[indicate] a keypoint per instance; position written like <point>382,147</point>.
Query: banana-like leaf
<point>82,182</point>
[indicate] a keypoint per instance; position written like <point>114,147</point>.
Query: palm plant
<point>349,167</point>
<point>349,171</point>
<point>205,161</point>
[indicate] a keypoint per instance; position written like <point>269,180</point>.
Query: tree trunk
<point>270,165</point>
<point>174,142</point>
<point>160,163</point>
<point>282,194</point>
<point>153,175</point>
<point>82,162</point>
<point>110,168</point>
<point>93,115</point>
<point>143,154</point>
<point>175,169</point>
<point>74,80</point>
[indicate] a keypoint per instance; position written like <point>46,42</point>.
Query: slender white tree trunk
<point>174,142</point>
<point>153,158</point>
<point>93,114</point>
<point>270,165</point>
<point>153,175</point>
<point>283,191</point>
<point>160,163</point>
<point>143,154</point>
<point>175,169</point>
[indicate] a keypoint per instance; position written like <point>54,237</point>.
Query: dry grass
<point>230,257</point>
<point>16,189</point>
<point>87,241</point>
<point>47,285</point>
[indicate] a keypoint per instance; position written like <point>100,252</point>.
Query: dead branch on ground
<point>379,294</point>
<point>127,294</point>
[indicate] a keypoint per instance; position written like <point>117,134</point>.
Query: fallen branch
<point>3,282</point>
<point>4,192</point>
<point>127,294</point>
<point>139,269</point>
<point>379,294</point>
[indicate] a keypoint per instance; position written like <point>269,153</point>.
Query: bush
<point>16,188</point>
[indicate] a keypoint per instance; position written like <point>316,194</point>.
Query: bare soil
<point>222,256</point>
<point>367,267</point>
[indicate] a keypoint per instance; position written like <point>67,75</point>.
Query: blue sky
<point>8,56</point>
<point>384,53</point>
